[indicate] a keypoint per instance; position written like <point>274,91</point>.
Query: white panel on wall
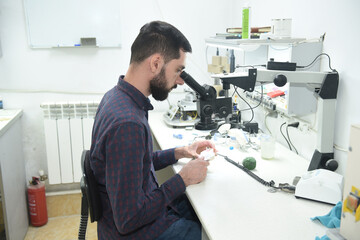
<point>66,168</point>
<point>76,146</point>
<point>87,130</point>
<point>52,154</point>
<point>62,23</point>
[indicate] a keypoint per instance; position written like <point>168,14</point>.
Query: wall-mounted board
<point>62,23</point>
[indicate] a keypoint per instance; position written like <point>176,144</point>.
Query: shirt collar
<point>139,98</point>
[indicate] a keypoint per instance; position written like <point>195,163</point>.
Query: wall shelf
<point>249,44</point>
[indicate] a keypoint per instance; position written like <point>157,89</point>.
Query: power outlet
<point>304,127</point>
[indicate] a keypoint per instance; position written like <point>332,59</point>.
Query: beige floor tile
<point>63,205</point>
<point>61,228</point>
<point>30,233</point>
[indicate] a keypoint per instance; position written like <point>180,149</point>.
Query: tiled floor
<point>61,228</point>
<point>64,219</point>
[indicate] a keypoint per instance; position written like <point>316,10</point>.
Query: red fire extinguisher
<point>37,203</point>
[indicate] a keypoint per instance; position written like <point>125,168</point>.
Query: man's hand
<point>194,171</point>
<point>193,150</point>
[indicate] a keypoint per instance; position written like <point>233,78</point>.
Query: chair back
<point>90,187</point>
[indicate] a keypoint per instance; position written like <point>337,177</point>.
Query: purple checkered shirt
<point>124,164</point>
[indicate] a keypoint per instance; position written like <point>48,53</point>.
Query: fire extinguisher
<point>37,202</point>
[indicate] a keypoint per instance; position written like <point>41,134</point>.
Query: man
<point>122,157</point>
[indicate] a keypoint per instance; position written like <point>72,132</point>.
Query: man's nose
<point>179,81</point>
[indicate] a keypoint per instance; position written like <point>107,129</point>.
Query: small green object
<point>249,163</point>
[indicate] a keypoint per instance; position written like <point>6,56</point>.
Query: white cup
<point>267,144</point>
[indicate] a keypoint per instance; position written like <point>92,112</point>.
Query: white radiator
<point>68,127</point>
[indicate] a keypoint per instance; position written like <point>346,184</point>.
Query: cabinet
<point>350,219</point>
<point>12,176</point>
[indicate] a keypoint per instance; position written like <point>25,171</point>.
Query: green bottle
<point>246,29</point>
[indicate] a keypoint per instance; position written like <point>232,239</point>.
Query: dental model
<point>208,154</point>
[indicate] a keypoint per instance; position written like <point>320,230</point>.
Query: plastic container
<point>267,144</point>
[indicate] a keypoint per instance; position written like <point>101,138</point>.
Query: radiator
<point>67,127</point>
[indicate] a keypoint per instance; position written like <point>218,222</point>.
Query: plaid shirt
<point>124,164</point>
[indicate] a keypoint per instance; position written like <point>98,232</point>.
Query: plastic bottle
<point>246,27</point>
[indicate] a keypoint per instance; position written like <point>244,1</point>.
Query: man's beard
<point>158,86</point>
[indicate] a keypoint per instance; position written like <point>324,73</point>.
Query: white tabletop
<point>232,205</point>
<point>7,117</point>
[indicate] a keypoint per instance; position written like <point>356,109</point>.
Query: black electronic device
<point>208,103</point>
<point>251,127</point>
<point>284,66</point>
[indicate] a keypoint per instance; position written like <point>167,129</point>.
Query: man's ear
<point>156,63</point>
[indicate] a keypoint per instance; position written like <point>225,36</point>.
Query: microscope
<point>208,104</point>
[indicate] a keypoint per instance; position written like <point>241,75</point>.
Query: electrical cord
<point>284,135</point>
<point>266,125</point>
<point>253,175</point>
<point>250,107</point>
<point>261,99</point>
<point>282,186</point>
<point>287,133</point>
<point>321,54</point>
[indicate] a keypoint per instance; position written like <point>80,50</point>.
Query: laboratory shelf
<point>237,43</point>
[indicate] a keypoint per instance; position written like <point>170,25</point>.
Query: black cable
<point>253,175</point>
<point>250,107</point>
<point>252,111</point>
<point>282,186</point>
<point>325,54</point>
<point>261,99</point>
<point>287,133</point>
<point>284,135</point>
<point>83,218</point>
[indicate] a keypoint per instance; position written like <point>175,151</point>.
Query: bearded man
<point>122,157</point>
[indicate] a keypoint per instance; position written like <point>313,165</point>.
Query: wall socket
<point>304,127</point>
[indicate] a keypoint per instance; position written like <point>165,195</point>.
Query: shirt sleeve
<point>164,158</point>
<point>134,205</point>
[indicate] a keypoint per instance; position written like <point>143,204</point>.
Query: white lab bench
<point>12,175</point>
<point>232,205</point>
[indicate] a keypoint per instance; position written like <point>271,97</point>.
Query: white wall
<point>40,72</point>
<point>94,71</point>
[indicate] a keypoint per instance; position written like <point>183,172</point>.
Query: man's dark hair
<point>159,37</point>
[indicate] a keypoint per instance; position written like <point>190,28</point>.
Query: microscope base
<point>206,126</point>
